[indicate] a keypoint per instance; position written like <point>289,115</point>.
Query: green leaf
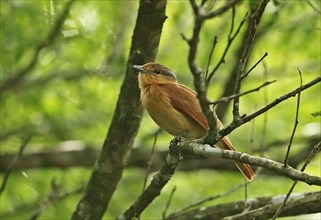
<point>316,114</point>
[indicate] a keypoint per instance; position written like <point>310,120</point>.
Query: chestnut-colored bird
<point>175,108</point>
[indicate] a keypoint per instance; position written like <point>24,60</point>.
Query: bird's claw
<point>174,149</point>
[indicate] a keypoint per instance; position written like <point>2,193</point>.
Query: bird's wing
<point>184,100</point>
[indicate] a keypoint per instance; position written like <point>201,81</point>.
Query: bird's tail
<point>245,169</point>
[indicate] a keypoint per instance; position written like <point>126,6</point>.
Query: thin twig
<point>313,7</point>
<point>252,136</point>
<point>295,123</point>
<point>168,202</point>
<point>265,116</point>
<point>255,18</point>
<point>228,98</point>
<point>150,162</point>
<point>55,195</point>
<point>235,124</point>
<point>232,22</point>
<point>229,42</point>
<point>230,39</point>
<point>246,205</point>
<point>28,206</point>
<point>221,10</point>
<point>210,198</point>
<point>313,152</point>
<point>55,191</point>
<point>253,67</point>
<point>13,163</point>
<point>210,56</point>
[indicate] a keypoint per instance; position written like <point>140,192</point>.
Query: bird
<point>175,108</point>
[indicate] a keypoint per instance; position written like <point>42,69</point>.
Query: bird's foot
<point>174,149</point>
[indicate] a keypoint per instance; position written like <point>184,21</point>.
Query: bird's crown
<point>156,69</point>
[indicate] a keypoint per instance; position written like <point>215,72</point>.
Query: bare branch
<point>313,6</point>
<point>169,202</point>
<point>158,182</point>
<point>55,191</point>
<point>150,162</point>
<point>40,205</point>
<point>208,199</point>
<point>210,57</point>
<point>265,116</point>
<point>228,98</point>
<point>295,123</point>
<point>255,18</point>
<point>253,67</point>
<point>12,164</point>
<point>313,152</point>
<point>245,119</point>
<point>230,39</point>
<point>208,151</point>
<point>70,154</point>
<point>261,208</point>
<point>228,5</point>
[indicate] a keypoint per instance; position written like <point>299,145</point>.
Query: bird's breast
<point>157,102</point>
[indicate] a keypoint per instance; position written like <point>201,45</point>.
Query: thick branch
<point>159,180</point>
<point>260,208</point>
<point>207,151</point>
<point>78,154</point>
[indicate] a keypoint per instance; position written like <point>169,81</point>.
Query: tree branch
<point>12,164</point>
<point>158,182</point>
<point>313,152</point>
<point>78,154</point>
<point>230,39</point>
<point>207,151</point>
<point>128,112</point>
<point>255,18</point>
<point>228,98</point>
<point>260,208</point>
<point>199,82</point>
<point>296,121</point>
<point>245,119</point>
<point>221,10</point>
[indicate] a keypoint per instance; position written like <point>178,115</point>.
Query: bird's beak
<point>140,68</point>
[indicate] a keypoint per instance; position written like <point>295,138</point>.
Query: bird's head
<point>155,73</point>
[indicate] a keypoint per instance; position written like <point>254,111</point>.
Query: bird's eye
<point>157,71</point>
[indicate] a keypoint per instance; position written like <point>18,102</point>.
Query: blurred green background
<point>71,93</point>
